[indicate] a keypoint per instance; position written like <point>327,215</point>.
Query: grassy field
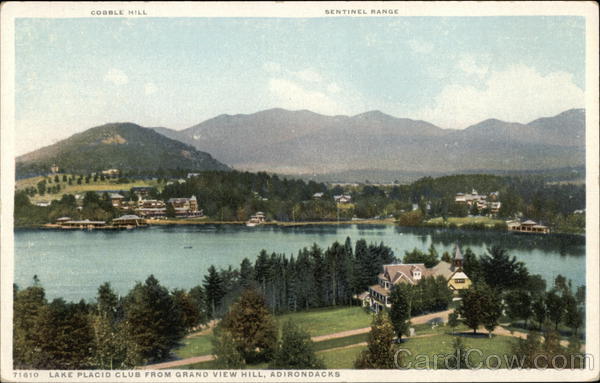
<point>430,347</point>
<point>109,184</point>
<point>329,320</point>
<point>459,221</point>
<point>442,344</point>
<point>315,322</point>
<point>196,346</point>
<point>341,358</point>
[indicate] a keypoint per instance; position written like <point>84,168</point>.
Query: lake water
<point>72,264</point>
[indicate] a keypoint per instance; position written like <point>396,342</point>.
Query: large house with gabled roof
<point>377,297</point>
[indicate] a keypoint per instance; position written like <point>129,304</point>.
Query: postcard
<point>299,191</point>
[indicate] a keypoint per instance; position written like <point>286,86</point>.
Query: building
<point>129,221</point>
<point>317,195</point>
<point>528,226</point>
<point>62,220</point>
<point>116,199</point>
<point>377,297</point>
<point>256,219</point>
<point>83,224</point>
<point>185,207</point>
<point>480,200</point>
<point>54,169</point>
<point>111,172</point>
<point>190,204</point>
<point>190,175</point>
<point>342,198</point>
<point>142,191</point>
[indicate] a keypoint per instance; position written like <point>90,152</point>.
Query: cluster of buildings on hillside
<point>482,201</point>
<point>377,297</point>
<point>154,208</point>
<point>340,199</point>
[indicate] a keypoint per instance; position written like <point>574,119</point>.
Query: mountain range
<point>304,143</point>
<point>123,146</point>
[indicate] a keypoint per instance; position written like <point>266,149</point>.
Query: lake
<point>72,264</point>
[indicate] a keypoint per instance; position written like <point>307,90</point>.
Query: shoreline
<point>165,222</point>
<point>387,222</point>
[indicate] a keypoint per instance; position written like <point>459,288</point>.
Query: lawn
<point>196,346</point>
<point>341,358</point>
<point>329,320</point>
<point>340,342</point>
<point>459,221</point>
<point>429,347</point>
<point>108,184</point>
<point>315,322</point>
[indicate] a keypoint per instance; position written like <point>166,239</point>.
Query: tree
<point>227,355</point>
<point>538,308</point>
<point>214,288</point>
<point>480,305</point>
<point>153,322</point>
<point>380,350</point>
<point>518,305</point>
<point>367,266</point>
<point>252,327</point>
<point>555,307</point>
<point>573,315</point>
<point>400,312</point>
<point>170,211</point>
<point>64,336</point>
<point>26,308</point>
<point>296,350</point>
<point>41,187</point>
<point>501,271</point>
<point>430,259</point>
<point>198,297</point>
<point>453,321</point>
<point>190,314</point>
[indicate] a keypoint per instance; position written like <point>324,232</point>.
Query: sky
<point>73,74</point>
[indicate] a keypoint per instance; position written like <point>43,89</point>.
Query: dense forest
<point>235,196</point>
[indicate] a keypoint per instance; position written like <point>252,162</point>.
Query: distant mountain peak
<point>125,146</point>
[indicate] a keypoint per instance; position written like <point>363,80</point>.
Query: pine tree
<point>296,350</point>
<point>453,321</point>
<point>26,308</point>
<point>153,322</point>
<point>400,312</point>
<point>380,350</point>
<point>214,287</point>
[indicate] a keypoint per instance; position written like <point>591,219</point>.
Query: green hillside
<point>123,146</point>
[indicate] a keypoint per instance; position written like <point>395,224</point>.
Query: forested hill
<point>124,146</point>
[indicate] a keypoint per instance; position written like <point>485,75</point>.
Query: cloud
<point>292,95</point>
<point>419,46</point>
<point>272,67</point>
<point>333,88</point>
<point>150,88</point>
<point>308,75</point>
<point>470,65</point>
<point>517,94</point>
<point>116,76</point>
